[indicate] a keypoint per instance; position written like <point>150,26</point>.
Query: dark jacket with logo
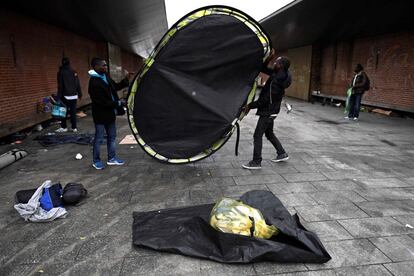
<point>104,98</point>
<point>360,83</point>
<point>272,93</point>
<point>68,82</point>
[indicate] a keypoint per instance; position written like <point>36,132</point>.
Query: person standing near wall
<point>268,106</point>
<point>69,91</point>
<point>105,107</point>
<point>359,84</point>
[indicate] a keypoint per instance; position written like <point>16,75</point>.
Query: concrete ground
<point>350,182</point>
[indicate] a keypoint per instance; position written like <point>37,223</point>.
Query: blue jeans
<point>355,105</point>
<point>99,137</point>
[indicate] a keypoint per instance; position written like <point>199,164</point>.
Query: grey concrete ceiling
<point>305,22</point>
<point>133,25</point>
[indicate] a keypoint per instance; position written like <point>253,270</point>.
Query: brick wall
<point>388,61</point>
<point>315,77</point>
<point>29,75</point>
<point>131,62</point>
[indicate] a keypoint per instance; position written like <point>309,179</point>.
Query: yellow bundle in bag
<point>232,216</point>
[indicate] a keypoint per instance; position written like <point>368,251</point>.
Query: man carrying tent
<point>268,106</point>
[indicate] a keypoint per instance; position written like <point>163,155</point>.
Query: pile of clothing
<point>46,203</point>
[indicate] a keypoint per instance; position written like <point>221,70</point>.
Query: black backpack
<point>73,193</point>
<point>367,84</point>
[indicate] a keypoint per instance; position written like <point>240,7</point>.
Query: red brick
<point>39,48</point>
<point>392,76</point>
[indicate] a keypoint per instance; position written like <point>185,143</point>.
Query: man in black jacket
<point>359,86</point>
<point>69,92</point>
<point>268,106</point>
<point>105,107</point>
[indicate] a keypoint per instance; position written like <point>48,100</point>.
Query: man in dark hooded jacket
<point>359,84</point>
<point>69,92</point>
<point>105,106</point>
<point>268,106</point>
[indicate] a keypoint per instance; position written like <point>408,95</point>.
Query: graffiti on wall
<point>395,57</point>
<point>392,56</point>
<point>390,59</point>
<point>409,82</point>
<point>343,75</point>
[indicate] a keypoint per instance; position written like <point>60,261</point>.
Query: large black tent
<point>187,100</point>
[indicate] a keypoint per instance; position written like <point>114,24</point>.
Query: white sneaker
<point>74,130</point>
<point>346,118</point>
<point>61,129</point>
<point>355,118</point>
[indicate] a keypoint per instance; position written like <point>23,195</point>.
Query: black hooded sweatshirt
<point>104,98</point>
<point>272,93</point>
<point>68,82</point>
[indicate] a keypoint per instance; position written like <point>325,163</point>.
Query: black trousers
<point>70,110</point>
<point>265,126</point>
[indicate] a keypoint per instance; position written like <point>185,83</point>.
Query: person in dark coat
<point>105,106</point>
<point>268,106</point>
<point>359,86</point>
<point>69,92</point>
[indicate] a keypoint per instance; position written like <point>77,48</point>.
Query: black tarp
<point>52,140</point>
<point>187,231</point>
<point>197,85</point>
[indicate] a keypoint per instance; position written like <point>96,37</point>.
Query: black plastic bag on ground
<point>187,231</point>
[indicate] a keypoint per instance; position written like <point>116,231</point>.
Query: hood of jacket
<point>94,74</point>
<point>284,79</point>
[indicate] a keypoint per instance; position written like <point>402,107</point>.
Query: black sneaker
<point>252,166</point>
<point>281,157</point>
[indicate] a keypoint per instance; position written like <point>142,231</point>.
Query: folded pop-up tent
<point>187,100</point>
